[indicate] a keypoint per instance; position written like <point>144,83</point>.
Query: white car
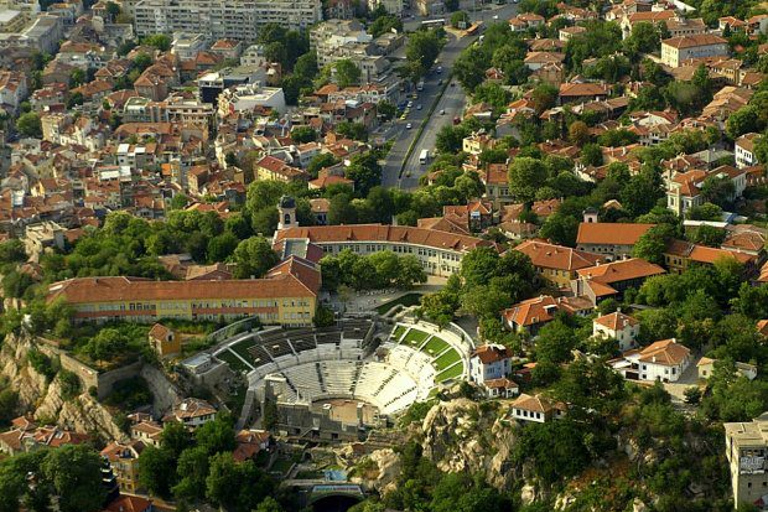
<point>495,16</point>
<point>418,107</point>
<point>442,112</point>
<point>408,126</point>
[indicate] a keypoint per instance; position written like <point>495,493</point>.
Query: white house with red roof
<point>536,409</point>
<point>618,326</point>
<point>664,360</point>
<point>489,362</point>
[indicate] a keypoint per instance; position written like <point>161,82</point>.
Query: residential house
<point>164,341</point>
<point>664,360</point>
<point>477,142</point>
<point>525,21</point>
<point>270,168</point>
<point>556,263</point>
<point>536,409</point>
<point>489,362</point>
<point>147,431</point>
<point>676,50</point>
<point>706,366</point>
<point>684,191</point>
<point>745,150</point>
<point>612,279</point>
<point>679,255</point>
<point>617,326</point>
<point>532,314</point>
<point>124,460</point>
<point>129,503</point>
<point>583,92</point>
<point>191,412</point>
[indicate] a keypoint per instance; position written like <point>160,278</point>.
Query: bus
<point>433,23</point>
<point>424,157</point>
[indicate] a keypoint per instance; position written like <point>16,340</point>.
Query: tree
<point>706,211</point>
<point>276,51</point>
<point>544,97</point>
<point>157,471</point>
<point>160,41</point>
<point>422,49</point>
<point>555,342</point>
<point>718,190</point>
<point>221,247</point>
<point>365,171</point>
<point>560,229</point>
<point>643,39</point>
<point>708,235</point>
<point>469,68</point>
<point>254,257</point>
<point>29,125</point>
<point>592,154</point>
<point>450,139</point>
<point>525,176</point>
<point>74,473</point>
<point>303,134</point>
<point>451,5</point>
<point>346,73</point>
<point>578,133</point>
<point>652,244</point>
<point>236,486</point>
<point>218,435</point>
<point>744,120</point>
<point>478,266</point>
<point>460,19</point>
<point>384,24</point>
<point>269,504</point>
<point>192,470</point>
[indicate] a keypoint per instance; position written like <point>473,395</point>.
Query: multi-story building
<point>617,326</point>
<point>745,150</point>
<point>676,50</point>
<point>489,362</point>
<point>328,36</point>
<point>684,191</point>
<point>391,6</point>
<point>124,460</point>
<point>239,19</point>
<point>247,97</point>
<point>439,252</point>
<point>664,361</point>
<point>556,263</point>
<point>287,295</point>
<point>615,240</point>
<point>746,447</point>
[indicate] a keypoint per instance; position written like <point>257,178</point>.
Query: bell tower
<point>287,211</point>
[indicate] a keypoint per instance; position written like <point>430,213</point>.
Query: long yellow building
<point>287,295</point>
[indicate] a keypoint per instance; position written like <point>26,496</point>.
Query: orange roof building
<point>611,279</point>
<point>556,263</point>
<point>612,239</point>
<point>286,296</point>
<point>439,252</point>
<point>664,360</point>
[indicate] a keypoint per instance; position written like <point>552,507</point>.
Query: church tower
<point>287,210</point>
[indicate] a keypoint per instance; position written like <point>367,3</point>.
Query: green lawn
<point>446,360</point>
<point>409,299</point>
<point>450,373</point>
<point>434,346</point>
<point>415,337</point>
<point>398,332</point>
<point>242,349</point>
<point>235,364</point>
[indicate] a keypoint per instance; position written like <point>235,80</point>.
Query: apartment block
<point>746,448</point>
<point>238,19</point>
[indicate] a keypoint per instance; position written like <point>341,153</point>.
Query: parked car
<point>408,126</point>
<point>442,112</point>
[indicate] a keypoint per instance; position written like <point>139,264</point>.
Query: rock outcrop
<point>44,400</point>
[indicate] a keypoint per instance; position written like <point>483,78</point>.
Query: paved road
<point>451,102</point>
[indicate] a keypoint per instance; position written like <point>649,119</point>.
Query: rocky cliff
<point>462,435</point>
<point>44,399</point>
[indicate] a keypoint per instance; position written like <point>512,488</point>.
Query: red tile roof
<point>605,233</point>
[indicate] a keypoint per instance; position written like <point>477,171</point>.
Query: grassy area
<point>398,332</point>
<point>235,364</point>
<point>409,299</point>
<point>415,337</point>
<point>450,373</point>
<point>446,360</point>
<point>241,348</point>
<point>434,346</point>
